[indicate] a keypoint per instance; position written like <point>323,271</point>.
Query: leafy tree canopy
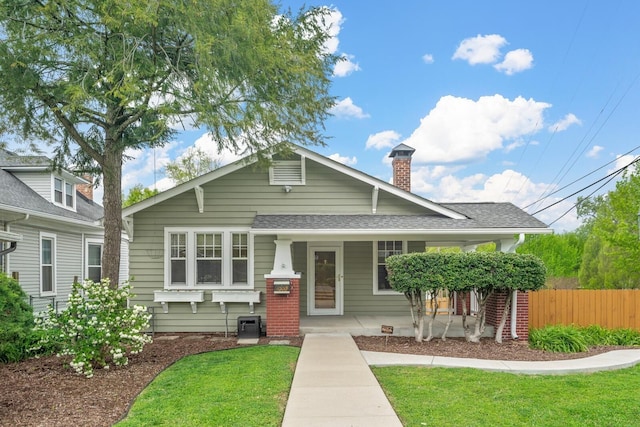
<point>98,78</point>
<point>138,193</point>
<point>193,163</point>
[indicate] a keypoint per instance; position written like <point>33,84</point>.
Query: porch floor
<point>368,325</point>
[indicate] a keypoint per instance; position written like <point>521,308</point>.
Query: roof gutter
<point>14,243</point>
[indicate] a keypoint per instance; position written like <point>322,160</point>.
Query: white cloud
<point>441,185</point>
<point>515,61</point>
<point>622,161</point>
<point>209,146</point>
<point>145,164</point>
<point>480,49</point>
<point>594,152</point>
<point>332,24</point>
<point>345,66</point>
<point>384,139</point>
<point>428,58</point>
<point>564,123</point>
<point>347,109</point>
<point>345,160</point>
<point>461,129</point>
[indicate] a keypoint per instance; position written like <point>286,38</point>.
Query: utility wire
<point>591,194</point>
<point>612,174</point>
<point>581,178</point>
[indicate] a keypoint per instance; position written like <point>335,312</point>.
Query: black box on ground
<point>249,327</point>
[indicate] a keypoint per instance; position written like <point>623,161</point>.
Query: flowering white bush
<point>97,327</point>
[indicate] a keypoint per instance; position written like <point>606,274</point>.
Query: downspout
<point>14,245</point>
<point>514,298</point>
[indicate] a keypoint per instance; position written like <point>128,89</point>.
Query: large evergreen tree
<point>97,77</point>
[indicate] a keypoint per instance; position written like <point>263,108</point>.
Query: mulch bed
<point>43,392</point>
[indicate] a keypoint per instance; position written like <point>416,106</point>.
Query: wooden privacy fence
<point>609,308</point>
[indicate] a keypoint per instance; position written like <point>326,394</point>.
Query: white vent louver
<point>287,172</point>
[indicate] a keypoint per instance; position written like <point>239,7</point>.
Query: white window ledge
<point>165,297</point>
<point>224,297</point>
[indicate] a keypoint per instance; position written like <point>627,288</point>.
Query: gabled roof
<point>16,196</point>
<point>13,162</point>
<point>325,161</point>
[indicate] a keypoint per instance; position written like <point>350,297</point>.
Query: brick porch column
<point>283,309</point>
<point>495,307</point>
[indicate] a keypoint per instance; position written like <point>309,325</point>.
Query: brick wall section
<point>402,172</point>
<point>283,310</point>
<point>495,306</point>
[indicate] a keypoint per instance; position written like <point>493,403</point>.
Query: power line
<point>612,175</point>
<point>581,178</point>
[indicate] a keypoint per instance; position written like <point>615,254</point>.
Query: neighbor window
<point>63,192</point>
<point>382,250</point>
<point>205,258</point>
<point>47,264</point>
<point>94,261</point>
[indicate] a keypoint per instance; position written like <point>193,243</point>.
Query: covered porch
<point>371,325</point>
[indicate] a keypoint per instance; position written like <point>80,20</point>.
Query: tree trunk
<point>112,202</point>
<point>481,316</point>
<point>417,313</point>
<point>465,325</point>
<point>503,319</point>
<point>449,317</point>
<point>434,310</point>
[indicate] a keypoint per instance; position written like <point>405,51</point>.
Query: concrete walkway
<point>616,359</point>
<point>333,386</point>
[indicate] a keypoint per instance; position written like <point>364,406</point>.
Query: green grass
<point>239,387</point>
<point>468,397</point>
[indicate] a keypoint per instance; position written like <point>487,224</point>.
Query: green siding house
<point>307,236</point>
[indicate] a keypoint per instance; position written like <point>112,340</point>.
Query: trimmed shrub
<point>16,321</point>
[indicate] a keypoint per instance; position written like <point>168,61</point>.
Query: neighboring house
<point>307,237</point>
<point>50,229</point>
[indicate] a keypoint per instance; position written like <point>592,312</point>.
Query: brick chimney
<point>401,163</point>
<point>86,189</point>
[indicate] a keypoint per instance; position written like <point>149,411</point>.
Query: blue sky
<point>502,100</point>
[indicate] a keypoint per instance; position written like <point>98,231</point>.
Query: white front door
<point>325,285</point>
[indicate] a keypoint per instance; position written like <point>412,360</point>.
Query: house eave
<point>407,232</point>
<point>97,225</point>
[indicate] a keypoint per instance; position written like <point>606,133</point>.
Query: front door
<point>325,279</point>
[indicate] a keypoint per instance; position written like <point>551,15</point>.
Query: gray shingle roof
<point>10,159</point>
<point>15,193</point>
<point>479,216</point>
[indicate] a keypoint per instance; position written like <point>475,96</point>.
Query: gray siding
<point>40,182</point>
<point>26,262</point>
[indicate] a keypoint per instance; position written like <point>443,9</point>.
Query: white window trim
<point>91,241</point>
<point>377,291</point>
<point>63,204</point>
<point>54,249</point>
<point>191,232</point>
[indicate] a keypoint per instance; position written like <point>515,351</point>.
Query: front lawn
<point>239,387</point>
<point>469,397</point>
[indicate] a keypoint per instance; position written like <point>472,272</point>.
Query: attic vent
<point>287,172</point>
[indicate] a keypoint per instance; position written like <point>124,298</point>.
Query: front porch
<point>371,325</point>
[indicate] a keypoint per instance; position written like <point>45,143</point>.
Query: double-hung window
<point>382,250</point>
<point>94,260</point>
<point>205,258</point>
<point>64,193</point>
<point>47,264</point>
